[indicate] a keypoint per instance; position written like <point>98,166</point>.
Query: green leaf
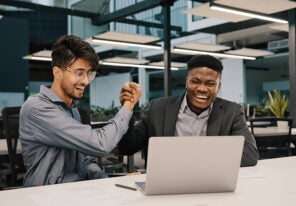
<point>278,103</point>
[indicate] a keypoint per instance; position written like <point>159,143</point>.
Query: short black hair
<point>205,61</point>
<point>68,48</point>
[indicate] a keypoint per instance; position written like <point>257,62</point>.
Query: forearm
<point>250,154</point>
<point>68,133</point>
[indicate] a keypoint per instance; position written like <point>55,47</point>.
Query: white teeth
<point>80,87</point>
<point>201,97</point>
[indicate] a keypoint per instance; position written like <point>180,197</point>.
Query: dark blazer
<point>159,119</point>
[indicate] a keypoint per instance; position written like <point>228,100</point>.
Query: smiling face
<point>67,85</point>
<point>202,84</point>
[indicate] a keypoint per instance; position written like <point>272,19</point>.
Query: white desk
<point>267,131</point>
<point>272,182</point>
<point>271,129</point>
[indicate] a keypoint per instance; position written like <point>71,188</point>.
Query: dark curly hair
<point>69,48</point>
<point>205,61</point>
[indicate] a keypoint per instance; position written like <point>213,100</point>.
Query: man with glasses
<point>198,112</point>
<point>56,146</point>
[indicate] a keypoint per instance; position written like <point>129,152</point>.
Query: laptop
<point>184,165</point>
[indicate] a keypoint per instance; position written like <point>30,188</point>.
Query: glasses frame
<point>90,75</point>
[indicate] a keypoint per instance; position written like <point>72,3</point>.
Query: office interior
<point>263,52</point>
<point>29,27</point>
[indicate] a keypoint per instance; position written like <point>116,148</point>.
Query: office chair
<point>84,116</point>
<point>5,171</point>
<point>10,117</point>
<point>272,140</point>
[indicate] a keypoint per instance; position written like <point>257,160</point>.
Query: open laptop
<point>183,165</point>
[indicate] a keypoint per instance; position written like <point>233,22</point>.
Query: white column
<point>233,80</point>
<point>144,82</point>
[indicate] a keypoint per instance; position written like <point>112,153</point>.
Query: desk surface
<point>272,182</point>
<point>266,131</point>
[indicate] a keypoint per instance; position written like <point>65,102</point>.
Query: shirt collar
<point>53,96</point>
<point>185,108</point>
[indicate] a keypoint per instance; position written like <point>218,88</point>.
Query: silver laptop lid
<point>177,165</point>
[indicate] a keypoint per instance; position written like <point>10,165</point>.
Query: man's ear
<point>57,73</point>
<point>219,86</point>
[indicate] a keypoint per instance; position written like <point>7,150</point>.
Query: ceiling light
<point>43,55</point>
<point>39,58</point>
<point>202,47</point>
<point>242,12</point>
<point>250,52</point>
<point>173,64</point>
<point>221,55</point>
<point>126,60</point>
<point>205,11</point>
<point>120,43</point>
<point>125,39</point>
<point>134,65</point>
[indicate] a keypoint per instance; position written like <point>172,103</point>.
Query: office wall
<point>14,41</point>
<point>14,71</point>
<point>105,90</point>
<point>11,99</point>
<point>233,80</point>
<point>272,70</point>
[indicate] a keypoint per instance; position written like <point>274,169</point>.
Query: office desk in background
<point>266,131</point>
<point>272,182</point>
<point>4,149</point>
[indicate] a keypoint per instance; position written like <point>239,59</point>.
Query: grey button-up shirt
<point>56,147</point>
<point>190,124</point>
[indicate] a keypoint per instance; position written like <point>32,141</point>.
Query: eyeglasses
<point>81,74</point>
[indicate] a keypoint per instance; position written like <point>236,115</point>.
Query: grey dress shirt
<point>191,124</point>
<point>56,147</point>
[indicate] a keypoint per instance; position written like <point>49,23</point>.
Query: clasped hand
<point>130,94</point>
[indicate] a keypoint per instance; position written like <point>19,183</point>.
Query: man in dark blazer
<point>198,112</point>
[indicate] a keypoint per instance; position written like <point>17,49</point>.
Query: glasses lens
<point>91,75</point>
<point>82,74</point>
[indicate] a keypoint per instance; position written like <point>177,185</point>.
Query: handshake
<point>130,94</point>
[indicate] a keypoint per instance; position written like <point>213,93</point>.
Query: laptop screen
<point>178,165</point>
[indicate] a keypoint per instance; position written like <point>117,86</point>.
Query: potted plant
<point>103,114</point>
<point>278,104</point>
<point>262,109</point>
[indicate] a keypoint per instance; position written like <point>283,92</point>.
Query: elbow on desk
<point>249,160</point>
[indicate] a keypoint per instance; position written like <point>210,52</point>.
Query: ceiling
<point>241,31</point>
<point>48,20</point>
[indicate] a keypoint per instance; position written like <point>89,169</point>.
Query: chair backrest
<point>269,134</point>
<point>84,115</point>
<point>10,117</point>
